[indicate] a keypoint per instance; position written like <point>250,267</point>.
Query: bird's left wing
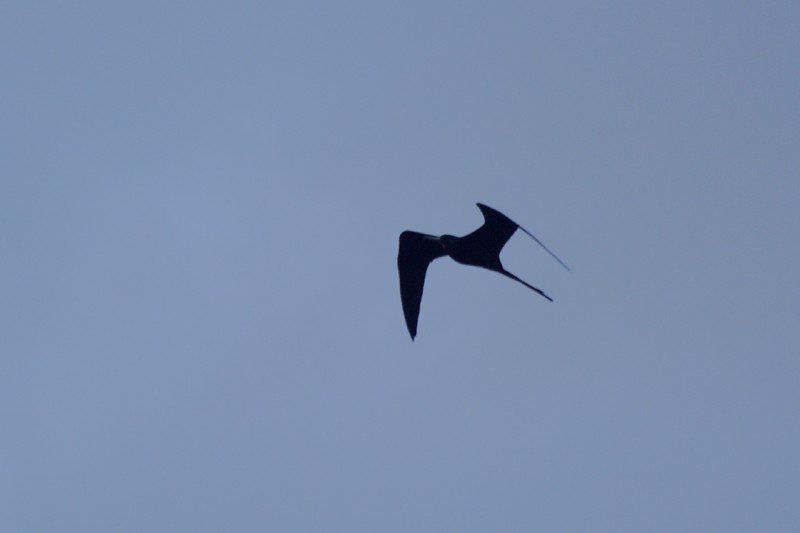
<point>416,252</point>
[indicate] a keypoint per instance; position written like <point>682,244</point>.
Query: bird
<point>480,248</point>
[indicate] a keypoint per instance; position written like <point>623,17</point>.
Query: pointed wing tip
<point>483,207</point>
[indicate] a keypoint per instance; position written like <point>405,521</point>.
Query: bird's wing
<point>497,229</point>
<point>494,234</point>
<point>416,252</point>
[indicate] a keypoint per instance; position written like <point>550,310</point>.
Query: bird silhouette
<point>480,248</point>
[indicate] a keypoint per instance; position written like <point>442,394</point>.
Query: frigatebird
<point>480,248</point>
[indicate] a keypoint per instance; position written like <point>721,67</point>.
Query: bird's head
<point>448,242</point>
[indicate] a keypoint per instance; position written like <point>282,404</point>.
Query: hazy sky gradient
<point>200,321</point>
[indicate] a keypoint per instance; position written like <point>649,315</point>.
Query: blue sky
<point>200,322</point>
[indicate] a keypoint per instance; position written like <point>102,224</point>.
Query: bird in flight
<point>480,248</point>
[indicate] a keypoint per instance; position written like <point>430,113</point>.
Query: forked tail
<point>512,276</point>
<point>562,263</point>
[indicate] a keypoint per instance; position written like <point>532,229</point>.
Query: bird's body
<point>480,248</point>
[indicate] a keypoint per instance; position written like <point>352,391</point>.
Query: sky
<point>200,322</point>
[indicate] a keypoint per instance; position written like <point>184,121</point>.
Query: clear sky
<point>200,323</point>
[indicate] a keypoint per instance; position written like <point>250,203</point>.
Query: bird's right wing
<point>494,234</point>
<point>496,231</point>
<point>416,252</point>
